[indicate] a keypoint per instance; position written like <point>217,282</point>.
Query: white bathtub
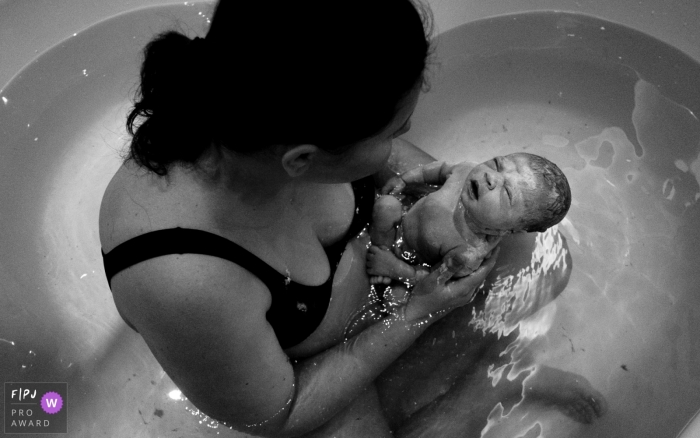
<point>629,330</point>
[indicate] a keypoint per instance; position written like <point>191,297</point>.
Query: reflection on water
<point>616,313</point>
<point>514,296</point>
<point>625,319</point>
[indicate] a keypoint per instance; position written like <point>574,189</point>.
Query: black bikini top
<point>296,310</point>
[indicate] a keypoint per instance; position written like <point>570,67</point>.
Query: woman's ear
<point>298,159</point>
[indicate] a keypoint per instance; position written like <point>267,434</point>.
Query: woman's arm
<point>430,174</point>
<point>404,156</point>
<point>408,164</point>
<point>204,320</point>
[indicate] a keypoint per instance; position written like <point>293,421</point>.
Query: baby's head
<point>519,192</point>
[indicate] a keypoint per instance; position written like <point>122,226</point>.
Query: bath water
<point>626,317</point>
<point>610,294</point>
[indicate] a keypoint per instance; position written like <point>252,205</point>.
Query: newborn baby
<point>463,220</point>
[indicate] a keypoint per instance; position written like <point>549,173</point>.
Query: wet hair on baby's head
<point>328,73</point>
<point>553,196</point>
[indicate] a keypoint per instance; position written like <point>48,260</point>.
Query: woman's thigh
<point>363,418</point>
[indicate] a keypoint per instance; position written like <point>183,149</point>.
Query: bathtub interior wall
<point>27,29</point>
<point>630,147</point>
<point>624,130</point>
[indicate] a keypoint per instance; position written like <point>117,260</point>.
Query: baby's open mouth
<point>475,189</point>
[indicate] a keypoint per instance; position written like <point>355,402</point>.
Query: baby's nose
<point>492,180</point>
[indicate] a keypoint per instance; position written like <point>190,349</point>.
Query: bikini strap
<point>186,241</point>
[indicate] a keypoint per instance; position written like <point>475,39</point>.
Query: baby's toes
<point>379,279</point>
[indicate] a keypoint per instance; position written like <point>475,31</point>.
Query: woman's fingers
<point>466,286</point>
<point>436,280</point>
<point>438,292</point>
<point>394,186</point>
<point>449,267</point>
<point>440,280</point>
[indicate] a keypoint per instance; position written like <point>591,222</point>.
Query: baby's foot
<point>383,266</point>
<point>380,261</point>
<point>570,393</point>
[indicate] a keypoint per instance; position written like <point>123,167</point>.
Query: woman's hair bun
<point>165,121</point>
<point>320,72</point>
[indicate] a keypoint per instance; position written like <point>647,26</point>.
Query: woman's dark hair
<point>323,72</point>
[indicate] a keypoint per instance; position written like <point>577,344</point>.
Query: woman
<point>229,232</point>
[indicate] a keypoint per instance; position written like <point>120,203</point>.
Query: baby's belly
<point>350,296</point>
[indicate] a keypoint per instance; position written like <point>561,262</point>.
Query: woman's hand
<point>440,291</point>
<point>394,186</point>
<point>430,174</point>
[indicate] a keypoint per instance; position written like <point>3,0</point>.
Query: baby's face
<point>495,194</point>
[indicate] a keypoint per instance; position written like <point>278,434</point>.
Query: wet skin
<point>498,193</point>
<point>464,218</point>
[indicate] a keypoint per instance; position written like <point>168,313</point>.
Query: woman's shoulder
<point>117,215</point>
<point>137,201</point>
<point>136,204</point>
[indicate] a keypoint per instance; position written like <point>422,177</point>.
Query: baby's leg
<point>386,214</point>
<point>383,266</point>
